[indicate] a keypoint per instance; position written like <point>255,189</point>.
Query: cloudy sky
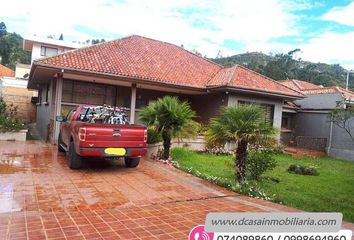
<point>323,30</point>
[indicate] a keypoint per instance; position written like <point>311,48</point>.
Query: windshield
<point>104,114</point>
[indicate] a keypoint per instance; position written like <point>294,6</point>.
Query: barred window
<point>267,108</point>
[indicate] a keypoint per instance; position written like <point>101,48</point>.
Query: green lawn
<point>331,191</point>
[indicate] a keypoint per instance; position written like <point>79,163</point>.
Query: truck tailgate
<point>104,135</point>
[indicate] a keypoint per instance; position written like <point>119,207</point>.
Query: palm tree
<point>167,116</point>
<point>243,125</point>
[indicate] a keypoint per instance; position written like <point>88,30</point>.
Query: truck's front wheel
<point>75,160</point>
<point>132,162</point>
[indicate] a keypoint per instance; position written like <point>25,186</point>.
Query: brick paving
<point>41,198</point>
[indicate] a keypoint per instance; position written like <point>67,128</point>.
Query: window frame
<point>44,51</point>
<point>263,106</point>
<point>47,94</point>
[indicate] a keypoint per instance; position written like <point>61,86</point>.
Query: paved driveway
<point>40,197</point>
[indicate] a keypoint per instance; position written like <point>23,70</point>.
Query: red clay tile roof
<point>347,95</point>
<point>310,89</point>
<point>140,57</point>
<point>299,85</point>
<point>6,72</point>
<point>147,59</point>
<point>241,77</point>
<point>223,77</point>
<point>290,105</point>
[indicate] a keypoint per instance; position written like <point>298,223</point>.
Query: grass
<point>331,191</point>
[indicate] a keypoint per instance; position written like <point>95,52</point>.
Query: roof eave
<point>255,91</point>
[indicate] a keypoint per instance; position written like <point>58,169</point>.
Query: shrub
<point>217,151</point>
<point>302,170</point>
<point>8,118</point>
<point>270,147</point>
<point>252,189</point>
<point>258,162</point>
<point>153,136</point>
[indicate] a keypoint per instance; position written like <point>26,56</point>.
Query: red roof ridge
<point>172,44</point>
<point>231,75</point>
<point>301,94</point>
<point>296,83</point>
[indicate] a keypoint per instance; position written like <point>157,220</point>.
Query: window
<point>285,122</point>
<point>48,51</point>
<point>39,95</point>
<point>47,93</point>
<point>70,114</point>
<point>126,101</point>
<point>140,103</point>
<point>267,108</point>
<point>87,93</point>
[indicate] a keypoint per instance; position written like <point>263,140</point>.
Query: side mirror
<point>60,119</point>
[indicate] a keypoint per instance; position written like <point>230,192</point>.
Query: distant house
<point>134,71</point>
<point>47,47</point>
<point>308,125</point>
<point>13,84</point>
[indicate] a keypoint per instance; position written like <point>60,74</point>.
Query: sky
<point>323,30</point>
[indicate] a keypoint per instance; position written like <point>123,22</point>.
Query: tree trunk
<point>241,156</point>
<point>166,144</point>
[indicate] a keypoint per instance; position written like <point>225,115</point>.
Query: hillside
<point>11,51</point>
<point>284,66</point>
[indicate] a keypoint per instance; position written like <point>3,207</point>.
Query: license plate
<point>115,151</point>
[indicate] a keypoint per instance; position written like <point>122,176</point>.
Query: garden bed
<point>331,191</point>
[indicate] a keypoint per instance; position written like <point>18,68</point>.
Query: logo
<point>198,233</point>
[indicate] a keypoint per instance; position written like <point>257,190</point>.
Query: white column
<point>57,112</point>
<point>132,104</point>
<point>278,113</point>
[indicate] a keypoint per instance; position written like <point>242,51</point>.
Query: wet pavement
<point>41,198</point>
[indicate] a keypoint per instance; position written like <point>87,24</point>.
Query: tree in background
<point>343,117</point>
<point>11,51</point>
<point>167,116</point>
<point>95,41</point>
<point>61,37</point>
<point>2,29</point>
<point>242,125</point>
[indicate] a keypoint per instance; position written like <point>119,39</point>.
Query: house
<point>13,84</point>
<point>47,47</point>
<point>311,127</point>
<point>135,70</point>
<point>41,48</point>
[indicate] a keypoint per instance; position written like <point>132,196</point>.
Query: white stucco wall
<point>36,50</point>
<point>278,107</point>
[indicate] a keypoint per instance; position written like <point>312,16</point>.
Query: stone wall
<point>21,97</point>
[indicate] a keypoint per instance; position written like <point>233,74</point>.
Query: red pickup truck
<point>81,136</point>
